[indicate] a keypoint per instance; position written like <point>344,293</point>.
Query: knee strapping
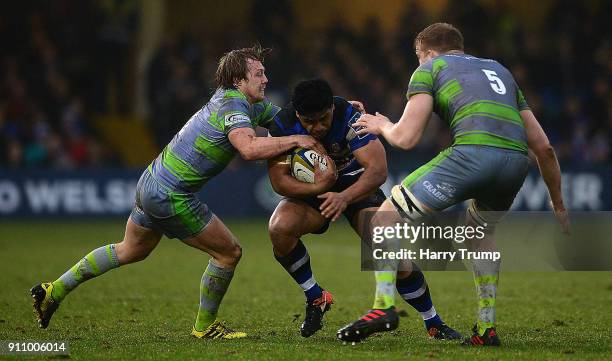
<point>407,205</point>
<point>486,219</point>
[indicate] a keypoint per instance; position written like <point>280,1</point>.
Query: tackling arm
<point>252,147</point>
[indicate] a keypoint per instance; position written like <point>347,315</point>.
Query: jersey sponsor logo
<point>232,119</point>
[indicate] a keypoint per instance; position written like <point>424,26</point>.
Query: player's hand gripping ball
<point>303,162</point>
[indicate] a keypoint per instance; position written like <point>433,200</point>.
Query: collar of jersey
<point>234,93</point>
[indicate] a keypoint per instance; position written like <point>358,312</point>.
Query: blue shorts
<point>489,175</point>
<point>177,215</point>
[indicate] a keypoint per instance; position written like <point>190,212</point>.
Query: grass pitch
<point>145,311</point>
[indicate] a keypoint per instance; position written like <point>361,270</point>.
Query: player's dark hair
<point>233,65</point>
<point>440,37</point>
<point>312,96</point>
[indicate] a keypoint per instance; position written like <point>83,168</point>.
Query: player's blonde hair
<point>233,65</point>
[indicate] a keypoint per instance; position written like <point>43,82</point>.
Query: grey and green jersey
<point>201,149</point>
<point>478,98</point>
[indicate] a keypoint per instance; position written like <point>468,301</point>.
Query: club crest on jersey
<point>232,119</point>
<point>335,147</point>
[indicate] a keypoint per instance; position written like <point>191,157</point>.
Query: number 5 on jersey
<point>496,84</point>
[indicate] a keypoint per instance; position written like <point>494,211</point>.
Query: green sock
<point>486,274</point>
<point>215,282</point>
<point>92,265</point>
<point>385,289</point>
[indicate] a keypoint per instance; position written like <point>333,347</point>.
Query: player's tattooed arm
<point>252,147</point>
<point>373,159</point>
<point>549,165</point>
<point>283,183</point>
<point>406,133</point>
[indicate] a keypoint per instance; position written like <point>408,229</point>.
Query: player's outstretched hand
<point>373,124</point>
<point>563,218</point>
<point>308,142</point>
<point>358,105</point>
<point>333,205</point>
<point>325,179</point>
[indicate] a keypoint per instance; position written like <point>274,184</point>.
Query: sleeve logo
<point>232,119</point>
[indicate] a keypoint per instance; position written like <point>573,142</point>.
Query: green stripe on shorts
<point>426,168</point>
<point>190,220</point>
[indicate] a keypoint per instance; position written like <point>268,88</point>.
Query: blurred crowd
<point>59,60</point>
<point>57,75</point>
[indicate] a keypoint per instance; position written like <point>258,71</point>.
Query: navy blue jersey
<point>341,140</point>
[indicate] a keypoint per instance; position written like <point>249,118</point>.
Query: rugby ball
<point>302,164</point>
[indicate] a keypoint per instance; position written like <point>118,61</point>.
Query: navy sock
<point>415,291</point>
<point>297,264</point>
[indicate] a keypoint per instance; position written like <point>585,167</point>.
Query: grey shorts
<point>491,176</point>
<point>177,215</point>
